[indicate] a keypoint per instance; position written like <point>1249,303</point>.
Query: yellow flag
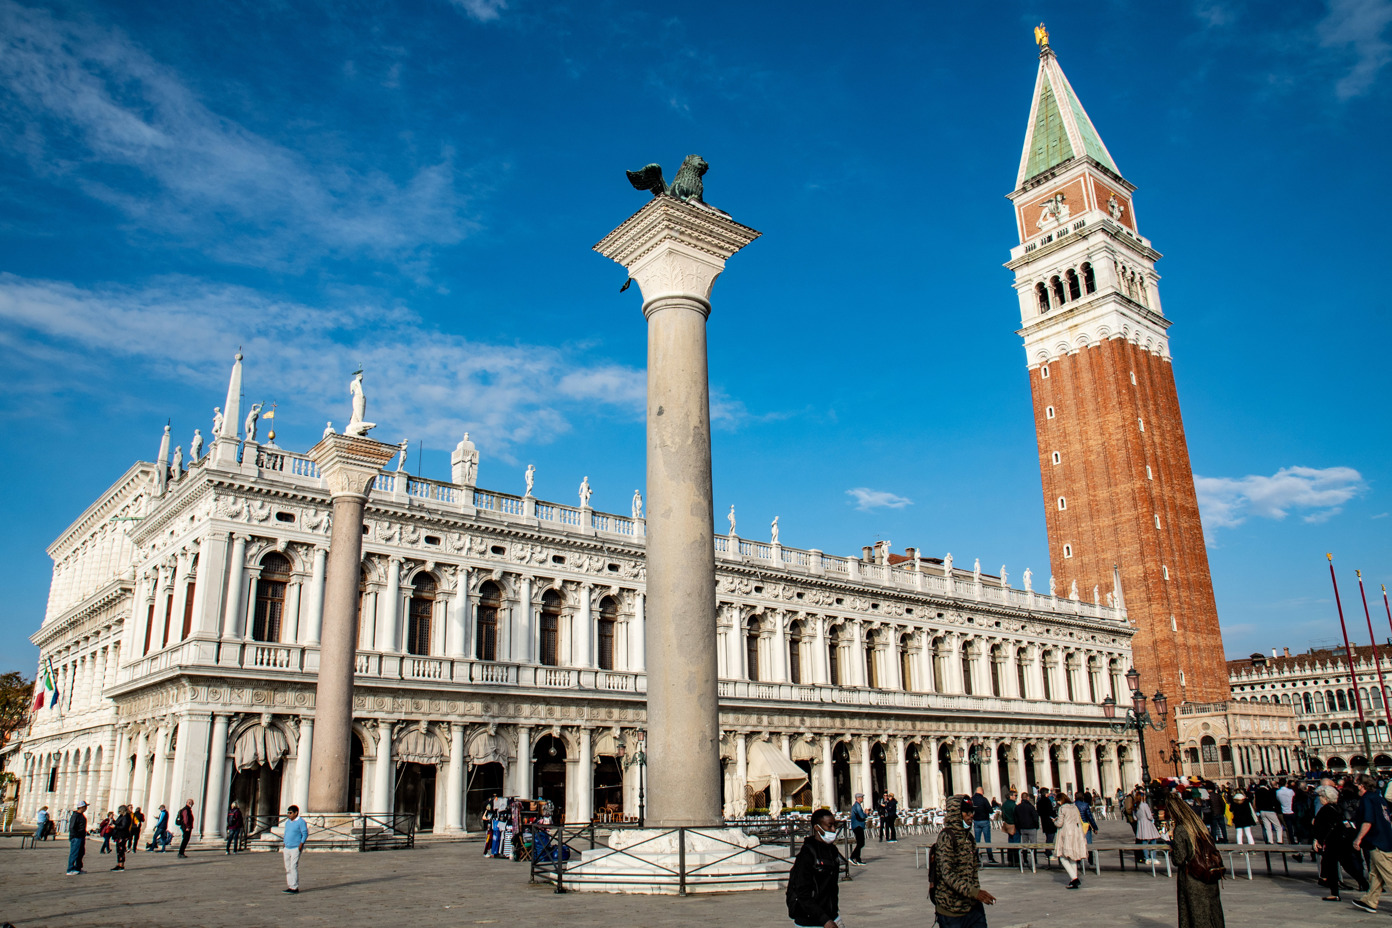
<point>269,415</point>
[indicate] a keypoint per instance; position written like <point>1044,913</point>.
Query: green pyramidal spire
<point>1059,128</point>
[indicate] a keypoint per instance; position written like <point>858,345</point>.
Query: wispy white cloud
<point>1215,15</point>
<point>90,109</point>
<point>1359,26</point>
<point>867,499</point>
<point>65,343</point>
<point>1318,494</point>
<point>483,10</point>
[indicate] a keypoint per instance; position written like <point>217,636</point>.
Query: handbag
<point>1008,828</point>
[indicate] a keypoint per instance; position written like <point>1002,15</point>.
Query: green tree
<point>15,694</point>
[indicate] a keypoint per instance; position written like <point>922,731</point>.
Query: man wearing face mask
<point>812,884</point>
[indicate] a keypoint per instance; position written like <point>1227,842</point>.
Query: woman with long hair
<point>1200,905</point>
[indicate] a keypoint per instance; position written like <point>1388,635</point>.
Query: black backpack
<point>934,876</point>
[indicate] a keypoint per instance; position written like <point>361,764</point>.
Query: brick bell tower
<point>1118,489</point>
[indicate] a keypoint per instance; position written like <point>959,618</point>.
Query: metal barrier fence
<point>558,855</point>
<point>365,831</point>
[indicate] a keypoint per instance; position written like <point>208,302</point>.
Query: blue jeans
<point>77,847</point>
<point>976,918</point>
<point>981,831</point>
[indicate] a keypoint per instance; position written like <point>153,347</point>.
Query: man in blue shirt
<point>1376,833</point>
<point>858,819</point>
<point>296,834</point>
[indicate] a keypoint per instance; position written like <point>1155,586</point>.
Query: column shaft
<point>236,580</point>
<point>314,621</point>
<point>454,782</point>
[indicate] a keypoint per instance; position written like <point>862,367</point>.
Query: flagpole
<point>1353,674</point>
<point>1387,607</point>
<point>1377,659</point>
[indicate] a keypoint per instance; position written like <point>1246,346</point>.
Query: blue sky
<point>415,186</point>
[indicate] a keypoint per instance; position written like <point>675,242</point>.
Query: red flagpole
<point>1353,675</point>
<point>1377,659</point>
<point>1386,606</point>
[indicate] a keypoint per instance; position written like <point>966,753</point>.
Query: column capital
<point>350,463</point>
<point>675,249</point>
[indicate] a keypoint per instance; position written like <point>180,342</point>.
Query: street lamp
<point>639,757</point>
<point>1137,718</point>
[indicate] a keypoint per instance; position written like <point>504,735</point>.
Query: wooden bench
<point>1266,850</point>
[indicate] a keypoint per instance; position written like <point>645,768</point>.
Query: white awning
<point>418,747</point>
<point>767,764</point>
<point>260,744</point>
<point>487,748</point>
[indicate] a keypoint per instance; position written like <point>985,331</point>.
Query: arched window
<point>270,597</point>
<point>751,647</point>
<point>608,621</point>
<point>1094,680</point>
<point>419,614</point>
<point>996,661</point>
<point>1070,663</point>
<point>795,652</point>
<point>906,679</point>
<point>1041,293</point>
<point>1056,288</point>
<point>872,668</point>
<point>967,662</point>
<point>1352,700</point>
<point>1089,279</point>
<point>1343,700</point>
<point>1309,705</point>
<point>1020,675</point>
<point>1319,703</point>
<point>1046,665</point>
<point>939,666</point>
<point>1074,289</point>
<point>550,628</point>
<point>490,601</point>
<point>834,655</point>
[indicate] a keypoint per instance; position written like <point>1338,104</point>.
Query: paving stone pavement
<point>452,884</point>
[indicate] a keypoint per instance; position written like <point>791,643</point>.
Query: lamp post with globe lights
<point>1138,717</point>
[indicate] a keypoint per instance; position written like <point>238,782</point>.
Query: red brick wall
<point>1111,512</point>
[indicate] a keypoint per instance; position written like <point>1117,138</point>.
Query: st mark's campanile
<point>1118,489</point>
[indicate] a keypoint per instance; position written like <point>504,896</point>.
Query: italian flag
<point>48,691</point>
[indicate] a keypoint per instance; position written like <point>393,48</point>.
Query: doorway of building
<point>415,794</point>
<point>841,776</point>
<point>608,788</point>
<point>549,772</point>
<point>256,791</point>
<point>913,789</point>
<point>485,782</point>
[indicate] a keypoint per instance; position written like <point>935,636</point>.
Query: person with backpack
<point>812,894</point>
<point>159,840</point>
<point>953,870</point>
<point>858,820</point>
<point>1198,867</point>
<point>185,822</point>
<point>104,830</point>
<point>1374,833</point>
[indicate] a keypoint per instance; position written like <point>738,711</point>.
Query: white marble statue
<point>1073,591</point>
<point>947,565</point>
<point>196,447</point>
<point>585,493</point>
<point>1096,596</point>
<point>358,426</point>
<point>1053,586</point>
<point>774,529</point>
<point>1003,578</point>
<point>1110,603</point>
<point>637,505</point>
<point>402,450</point>
<point>531,478</point>
<point>176,466</point>
<point>1028,577</point>
<point>976,571</point>
<point>328,429</point>
<point>249,427</point>
<point>1114,207</point>
<point>1054,209</point>
<point>465,461</point>
<point>217,422</point>
<point>731,518</point>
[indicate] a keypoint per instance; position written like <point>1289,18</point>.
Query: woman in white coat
<point>1070,844</point>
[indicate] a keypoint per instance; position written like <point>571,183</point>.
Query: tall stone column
<point>930,782</point>
<point>457,622</point>
<point>901,769</point>
<point>741,784</point>
<point>828,774</point>
<point>383,786</point>
<point>675,250</point>
<point>236,580</point>
<point>581,631</point>
<point>522,778</point>
<point>304,757</point>
<point>314,621</point>
<point>214,800</point>
<point>138,781</point>
<point>454,782</point>
<point>584,787</point>
<point>389,618</point>
<point>637,635</point>
<point>348,465</point>
<point>867,782</point>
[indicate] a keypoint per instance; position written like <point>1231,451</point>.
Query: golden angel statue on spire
<point>1041,36</point>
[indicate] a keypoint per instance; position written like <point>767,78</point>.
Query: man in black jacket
<point>185,822</point>
<point>812,884</point>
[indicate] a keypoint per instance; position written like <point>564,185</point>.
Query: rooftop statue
<point>687,185</point>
